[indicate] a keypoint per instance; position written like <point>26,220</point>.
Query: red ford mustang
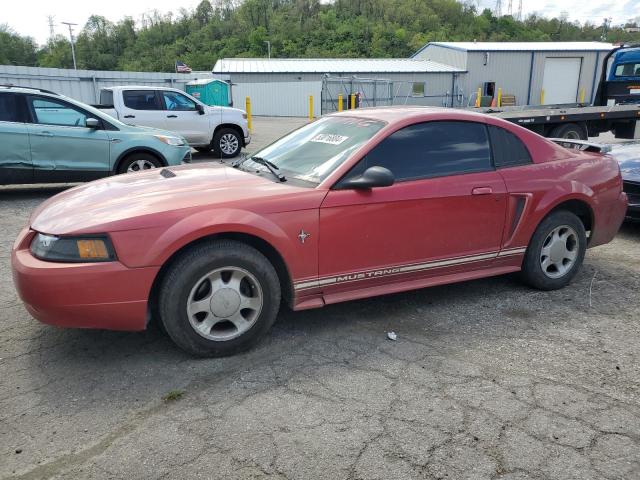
<point>353,205</point>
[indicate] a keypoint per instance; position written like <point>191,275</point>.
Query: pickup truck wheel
<point>219,298</point>
<point>137,162</point>
<point>570,131</point>
<point>556,251</point>
<point>227,142</point>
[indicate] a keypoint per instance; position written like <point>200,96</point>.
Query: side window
<point>434,149</point>
<point>177,102</point>
<point>9,108</point>
<point>47,111</point>
<point>140,99</point>
<point>508,150</point>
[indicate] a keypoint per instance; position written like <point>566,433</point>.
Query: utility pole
<point>268,47</point>
<point>498,9</point>
<point>510,8</point>
<point>73,48</point>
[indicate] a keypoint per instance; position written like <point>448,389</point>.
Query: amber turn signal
<point>92,249</point>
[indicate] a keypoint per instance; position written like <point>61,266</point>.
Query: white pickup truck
<point>221,129</point>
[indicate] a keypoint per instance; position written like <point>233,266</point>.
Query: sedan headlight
<point>175,141</point>
<point>91,248</point>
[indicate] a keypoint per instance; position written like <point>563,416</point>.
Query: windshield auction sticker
<point>330,138</point>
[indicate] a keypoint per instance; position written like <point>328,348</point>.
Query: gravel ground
<point>487,380</point>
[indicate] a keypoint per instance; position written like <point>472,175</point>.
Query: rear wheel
<point>137,162</point>
<point>570,131</point>
<point>227,142</point>
<point>219,298</point>
<point>556,251</point>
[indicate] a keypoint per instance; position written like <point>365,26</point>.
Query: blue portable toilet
<point>210,91</point>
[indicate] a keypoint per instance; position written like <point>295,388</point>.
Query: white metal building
<point>283,86</point>
<point>85,85</point>
<point>565,71</point>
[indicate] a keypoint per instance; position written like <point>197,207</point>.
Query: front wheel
<point>138,162</point>
<point>556,251</point>
<point>219,298</point>
<point>227,142</point>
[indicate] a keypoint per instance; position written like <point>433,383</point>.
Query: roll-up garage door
<point>561,79</point>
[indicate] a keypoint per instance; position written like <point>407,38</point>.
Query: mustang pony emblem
<point>303,235</point>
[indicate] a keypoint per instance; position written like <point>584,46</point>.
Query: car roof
<point>138,87</point>
<point>404,114</point>
<point>8,88</point>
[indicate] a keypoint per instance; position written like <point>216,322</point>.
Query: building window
<point>418,89</point>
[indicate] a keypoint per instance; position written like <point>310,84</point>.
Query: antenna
<point>73,48</point>
<point>52,30</point>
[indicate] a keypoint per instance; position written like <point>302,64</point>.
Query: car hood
<point>162,196</point>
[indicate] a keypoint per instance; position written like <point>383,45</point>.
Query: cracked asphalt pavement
<point>487,380</point>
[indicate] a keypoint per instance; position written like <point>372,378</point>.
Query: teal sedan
<point>49,138</point>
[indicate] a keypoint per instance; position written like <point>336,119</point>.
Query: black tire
<point>206,149</point>
<point>132,158</point>
<point>186,273</point>
<point>532,271</point>
<point>221,136</point>
<point>572,131</point>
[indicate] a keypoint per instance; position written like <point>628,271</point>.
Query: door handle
<point>44,134</point>
<point>481,191</point>
<point>172,116</point>
<point>129,116</point>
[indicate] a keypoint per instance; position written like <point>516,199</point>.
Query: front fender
<point>153,247</point>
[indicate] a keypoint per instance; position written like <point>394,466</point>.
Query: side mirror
<point>200,108</point>
<point>370,178</point>
<point>92,123</point>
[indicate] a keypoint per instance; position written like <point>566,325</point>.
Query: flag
<point>182,67</point>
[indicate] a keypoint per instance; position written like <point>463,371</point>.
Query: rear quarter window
<point>9,111</point>
<point>140,99</point>
<point>508,150</point>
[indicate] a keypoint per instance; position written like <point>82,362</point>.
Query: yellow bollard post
<point>247,108</point>
<point>582,93</point>
<point>310,108</point>
<point>499,97</point>
<point>340,102</point>
<point>542,97</point>
<point>353,101</point>
<point>478,96</point>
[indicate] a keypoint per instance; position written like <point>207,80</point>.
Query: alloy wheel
<point>224,303</point>
<point>139,165</point>
<point>559,251</point>
<point>229,143</point>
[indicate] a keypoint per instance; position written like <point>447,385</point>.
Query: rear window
<point>508,150</point>
<point>140,99</point>
<point>9,108</point>
<point>628,70</point>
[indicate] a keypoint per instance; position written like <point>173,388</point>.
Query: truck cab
<point>622,84</point>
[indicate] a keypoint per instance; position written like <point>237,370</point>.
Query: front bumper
<point>82,295</point>
<point>247,140</point>
<point>632,189</point>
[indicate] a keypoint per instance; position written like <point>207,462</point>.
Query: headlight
<point>175,141</point>
<point>91,248</point>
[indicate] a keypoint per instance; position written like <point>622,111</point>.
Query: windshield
<point>312,152</point>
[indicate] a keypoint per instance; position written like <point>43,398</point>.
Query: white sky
<point>29,17</point>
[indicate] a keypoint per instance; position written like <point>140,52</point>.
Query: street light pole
<point>268,47</point>
<point>73,48</point>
